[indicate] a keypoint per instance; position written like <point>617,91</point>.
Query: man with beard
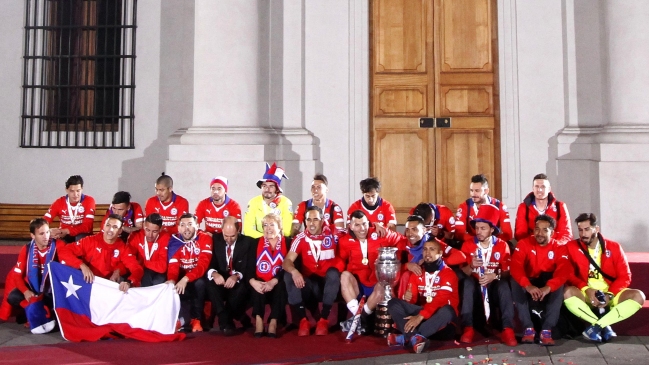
<point>167,203</point>
<point>377,209</point>
<point>542,201</point>
<point>217,207</point>
<point>599,279</point>
<point>271,200</point>
<point>467,210</point>
<point>75,210</point>
<point>319,279</point>
<point>488,261</point>
<point>540,267</point>
<point>333,214</point>
<point>150,247</point>
<point>429,303</point>
<point>131,213</point>
<point>104,255</point>
<point>190,253</point>
<point>438,220</point>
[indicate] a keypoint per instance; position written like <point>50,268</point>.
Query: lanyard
<point>315,248</point>
<point>154,247</point>
<point>594,256</point>
<point>364,251</point>
<point>72,212</point>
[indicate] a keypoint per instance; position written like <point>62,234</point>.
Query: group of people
<point>469,268</point>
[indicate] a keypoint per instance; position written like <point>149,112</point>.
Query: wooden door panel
<point>466,100</point>
<point>461,153</point>
<point>400,101</point>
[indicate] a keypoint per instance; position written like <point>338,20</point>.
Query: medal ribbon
<point>72,212</point>
<point>485,255</point>
<point>364,248</point>
<point>315,248</point>
<point>430,280</point>
<point>154,247</point>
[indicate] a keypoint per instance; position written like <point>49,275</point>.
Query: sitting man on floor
<point>75,210</point>
<point>599,279</point>
<point>150,248</point>
<point>540,267</point>
<point>429,304</point>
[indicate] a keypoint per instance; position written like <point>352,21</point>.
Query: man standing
<point>429,303</point>
<point>190,253</point>
<point>489,261</point>
<point>228,275</point>
<point>540,267</point>
<point>600,278</point>
<point>271,200</point>
<point>333,214</point>
<point>166,203</point>
<point>467,210</point>
<point>217,207</point>
<point>438,219</point>
<point>319,279</point>
<point>150,247</point>
<point>131,213</point>
<point>542,201</point>
<point>377,209</point>
<point>75,210</point>
<point>104,255</point>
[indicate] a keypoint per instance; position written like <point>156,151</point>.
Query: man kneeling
<point>429,303</point>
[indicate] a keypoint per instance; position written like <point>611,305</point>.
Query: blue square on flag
<point>69,289</point>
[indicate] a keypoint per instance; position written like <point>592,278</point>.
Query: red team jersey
<point>192,259</point>
<point>444,290</point>
<point>442,218</point>
<point>530,259</point>
<point>152,255</point>
<point>384,212</point>
<point>351,254</point>
<point>134,215</point>
<point>78,219</point>
<point>214,215</point>
<point>467,211</point>
<point>170,212</point>
<point>527,213</point>
<point>499,259</point>
<point>332,213</point>
<point>328,247</point>
<point>102,258</point>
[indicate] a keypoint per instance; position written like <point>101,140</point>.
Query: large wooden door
<point>433,59</point>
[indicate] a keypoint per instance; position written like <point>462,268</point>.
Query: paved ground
<point>623,350</point>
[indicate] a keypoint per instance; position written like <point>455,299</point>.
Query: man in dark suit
<point>228,288</point>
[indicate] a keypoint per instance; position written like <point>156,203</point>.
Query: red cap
<point>221,180</point>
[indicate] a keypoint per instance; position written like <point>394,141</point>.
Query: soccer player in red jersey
<point>75,210</point>
<point>217,207</point>
<point>467,210</point>
<point>377,209</point>
<point>542,201</point>
<point>167,203</point>
<point>438,219</point>
<point>105,255</point>
<point>150,247</point>
<point>333,214</point>
<point>131,213</point>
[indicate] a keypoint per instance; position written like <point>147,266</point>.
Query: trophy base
<point>383,325</point>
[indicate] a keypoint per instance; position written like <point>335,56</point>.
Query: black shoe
<point>259,334</point>
<point>228,331</point>
<point>272,335</point>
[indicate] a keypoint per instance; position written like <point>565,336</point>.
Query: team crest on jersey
<point>554,207</point>
<point>451,220</point>
<point>551,255</point>
<point>273,205</point>
<point>337,208</point>
<point>497,255</point>
<point>437,280</point>
<point>154,247</point>
<point>374,235</point>
<point>327,243</point>
<point>276,270</point>
<point>326,216</point>
<point>504,207</point>
<point>116,253</point>
<point>174,211</point>
<point>226,213</point>
<point>197,250</point>
<point>264,267</point>
<point>380,216</point>
<point>608,253</point>
<point>81,209</point>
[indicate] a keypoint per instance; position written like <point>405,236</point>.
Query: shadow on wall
<point>175,98</point>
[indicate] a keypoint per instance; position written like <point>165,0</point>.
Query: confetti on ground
<point>461,356</point>
<point>470,356</point>
<point>511,350</point>
<point>469,349</point>
<point>457,343</point>
<point>521,352</point>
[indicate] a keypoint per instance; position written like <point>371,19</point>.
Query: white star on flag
<point>72,288</point>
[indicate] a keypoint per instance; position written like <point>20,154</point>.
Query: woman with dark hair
<point>267,284</point>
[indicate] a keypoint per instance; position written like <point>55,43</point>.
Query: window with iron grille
<point>79,74</point>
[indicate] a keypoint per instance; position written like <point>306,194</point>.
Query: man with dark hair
<point>488,261</point>
<point>377,209</point>
<point>542,201</point>
<point>190,253</point>
<point>467,210</point>
<point>438,219</point>
<point>104,255</point>
<point>271,200</point>
<point>333,214</point>
<point>167,203</point>
<point>75,210</point>
<point>599,279</point>
<point>540,267</point>
<point>217,207</point>
<point>228,275</point>
<point>150,247</point>
<point>319,278</point>
<point>429,304</point>
<point>131,213</point>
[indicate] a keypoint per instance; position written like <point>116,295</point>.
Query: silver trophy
<point>387,271</point>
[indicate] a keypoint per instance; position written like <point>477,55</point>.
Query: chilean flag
<point>89,312</point>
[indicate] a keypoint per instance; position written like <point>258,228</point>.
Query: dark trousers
<point>548,309</point>
<point>73,239</point>
<point>276,298</point>
<point>15,297</point>
<point>316,288</point>
<point>194,296</point>
<point>400,309</point>
<point>500,297</point>
<point>151,277</point>
<point>227,304</point>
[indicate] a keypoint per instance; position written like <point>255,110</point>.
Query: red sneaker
<point>196,325</point>
<point>305,327</point>
<point>322,327</point>
<point>467,335</point>
<point>528,335</point>
<point>546,338</point>
<point>508,337</point>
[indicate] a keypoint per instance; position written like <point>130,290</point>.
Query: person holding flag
<point>488,259</point>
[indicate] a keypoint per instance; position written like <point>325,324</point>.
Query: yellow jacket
<point>257,209</point>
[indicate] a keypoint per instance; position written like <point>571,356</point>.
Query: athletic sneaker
<point>546,338</point>
<point>395,340</point>
<point>508,337</point>
<point>419,343</point>
<point>528,335</point>
<point>467,335</point>
<point>305,328</point>
<point>196,325</point>
<point>322,327</point>
<point>607,333</point>
<point>593,333</point>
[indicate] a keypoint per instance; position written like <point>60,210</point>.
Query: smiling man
<point>377,209</point>
<point>271,200</point>
<point>217,207</point>
<point>333,214</point>
<point>75,210</point>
